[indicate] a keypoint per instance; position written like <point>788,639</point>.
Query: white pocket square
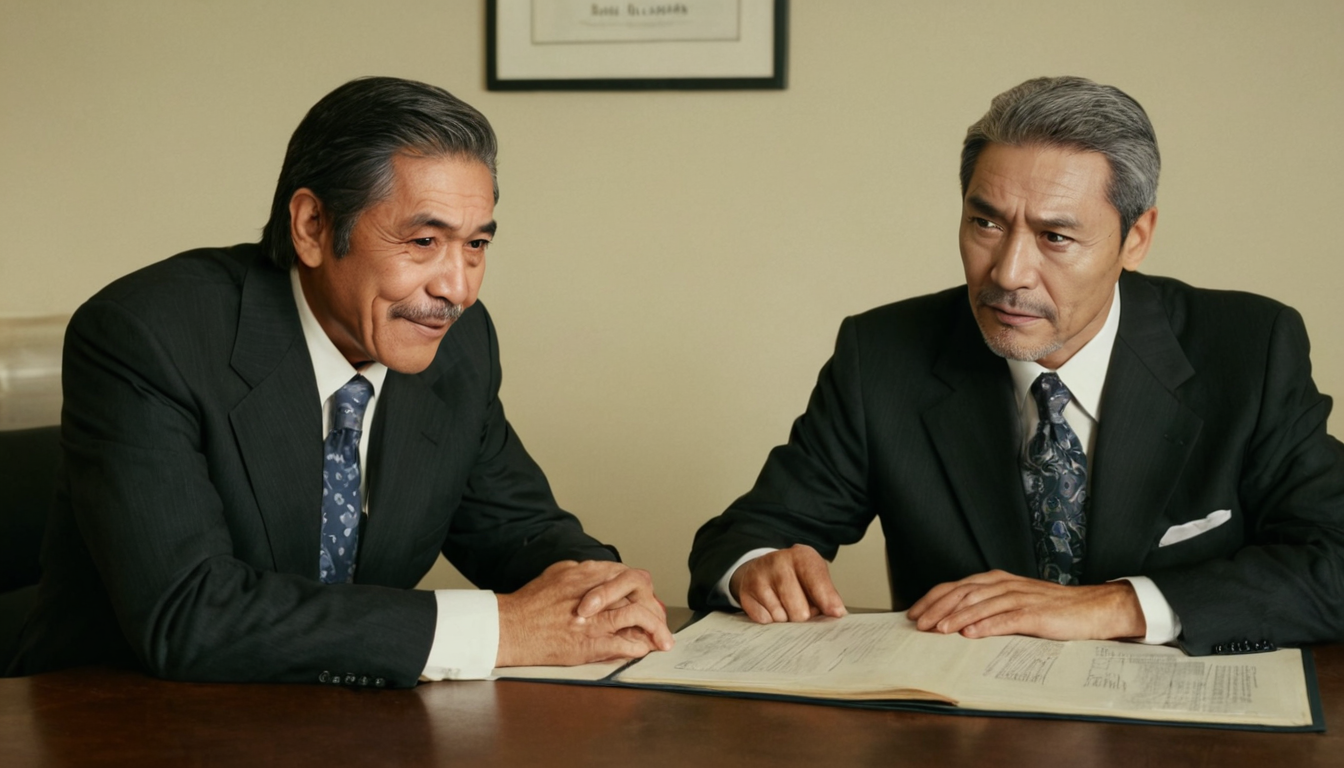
<point>1179,533</point>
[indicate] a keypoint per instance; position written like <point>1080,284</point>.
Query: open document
<point>881,656</point>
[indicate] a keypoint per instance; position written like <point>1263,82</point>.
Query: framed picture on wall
<point>587,45</point>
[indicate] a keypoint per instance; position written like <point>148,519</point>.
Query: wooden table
<point>95,717</point>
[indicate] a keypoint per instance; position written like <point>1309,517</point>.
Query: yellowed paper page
<point>854,657</point>
<point>883,656</point>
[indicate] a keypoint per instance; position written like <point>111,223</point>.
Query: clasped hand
<point>581,612</point>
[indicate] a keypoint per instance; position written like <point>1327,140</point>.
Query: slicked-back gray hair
<point>1074,112</point>
<point>343,150</point>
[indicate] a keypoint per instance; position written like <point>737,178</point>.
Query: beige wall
<point>672,267</point>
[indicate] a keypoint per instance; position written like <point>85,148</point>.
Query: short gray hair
<point>1074,112</point>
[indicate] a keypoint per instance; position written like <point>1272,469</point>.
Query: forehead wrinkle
<point>1029,176</point>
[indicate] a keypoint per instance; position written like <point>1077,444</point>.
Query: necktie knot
<point>350,402</point>
<point>1051,397</point>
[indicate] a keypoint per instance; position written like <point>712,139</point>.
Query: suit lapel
<point>278,425</point>
<point>406,455</point>
<point>974,430</point>
<point>1144,437</point>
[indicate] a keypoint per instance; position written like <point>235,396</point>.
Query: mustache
<point>1015,300</point>
<point>442,310</point>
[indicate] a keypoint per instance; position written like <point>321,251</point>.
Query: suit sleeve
<point>1287,584</point>
<point>508,527</point>
<point>144,502</point>
<point>812,490</point>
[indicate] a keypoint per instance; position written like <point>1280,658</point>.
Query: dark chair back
<point>28,462</point>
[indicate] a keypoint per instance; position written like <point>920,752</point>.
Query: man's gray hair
<point>342,151</point>
<point>1074,112</point>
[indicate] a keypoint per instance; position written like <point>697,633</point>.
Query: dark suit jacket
<point>1208,405</point>
<point>184,538</point>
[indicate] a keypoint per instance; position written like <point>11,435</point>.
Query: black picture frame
<point>776,80</point>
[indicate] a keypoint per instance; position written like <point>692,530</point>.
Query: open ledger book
<point>881,657</point>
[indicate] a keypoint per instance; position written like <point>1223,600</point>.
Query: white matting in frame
<point>635,44</point>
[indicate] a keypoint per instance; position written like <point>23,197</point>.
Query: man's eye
<point>423,242</point>
<point>479,243</point>
<point>1056,238</point>
<point>982,223</point>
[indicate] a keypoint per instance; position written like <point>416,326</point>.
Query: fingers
<point>815,577</point>
<point>623,598</point>
<point>998,603</point>
<point>542,622</point>
<point>629,643</point>
<point>1003,614</point>
<point>764,607</point>
<point>934,608</point>
<point>787,585</point>
<point>620,585</point>
<point>652,633</point>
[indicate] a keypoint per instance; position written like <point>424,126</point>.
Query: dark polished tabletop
<point>94,717</point>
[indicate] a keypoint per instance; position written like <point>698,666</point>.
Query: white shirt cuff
<point>466,635</point>
<point>721,589</point>
<point>1164,626</point>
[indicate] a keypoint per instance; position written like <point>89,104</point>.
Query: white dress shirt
<point>1084,374</point>
<point>466,633</point>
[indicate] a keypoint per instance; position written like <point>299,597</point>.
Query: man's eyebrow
<point>430,220</point>
<point>1055,222</point>
<point>983,207</point>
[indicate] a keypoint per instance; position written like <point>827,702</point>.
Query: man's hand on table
<point>576,613</point>
<point>791,584</point>
<point>999,603</point>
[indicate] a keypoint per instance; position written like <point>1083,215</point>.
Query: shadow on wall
<point>30,371</point>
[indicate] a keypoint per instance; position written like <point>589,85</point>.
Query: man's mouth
<point>1010,316</point>
<point>433,328</point>
<point>431,319</point>
<point>430,322</point>
<point>1014,309</point>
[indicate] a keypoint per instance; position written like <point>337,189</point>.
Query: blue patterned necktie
<point>341,502</point>
<point>1054,474</point>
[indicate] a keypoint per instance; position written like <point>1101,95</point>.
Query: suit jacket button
<point>364,680</point>
<point>1219,648</point>
<point>324,677</point>
<point>379,682</point>
<point>350,678</point>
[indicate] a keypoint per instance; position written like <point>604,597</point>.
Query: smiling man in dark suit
<point>203,528</point>
<point>1062,447</point>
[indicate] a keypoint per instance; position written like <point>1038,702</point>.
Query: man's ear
<point>1139,239</point>
<point>307,227</point>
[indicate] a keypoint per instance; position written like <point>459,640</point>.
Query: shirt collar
<point>330,367</point>
<point>1084,373</point>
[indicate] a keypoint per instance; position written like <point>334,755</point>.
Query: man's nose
<point>1015,262</point>
<point>453,281</point>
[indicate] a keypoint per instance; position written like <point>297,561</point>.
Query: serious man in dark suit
<point>205,530</point>
<point>1062,447</point>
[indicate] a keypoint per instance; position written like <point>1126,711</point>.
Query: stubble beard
<point>1006,341</point>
